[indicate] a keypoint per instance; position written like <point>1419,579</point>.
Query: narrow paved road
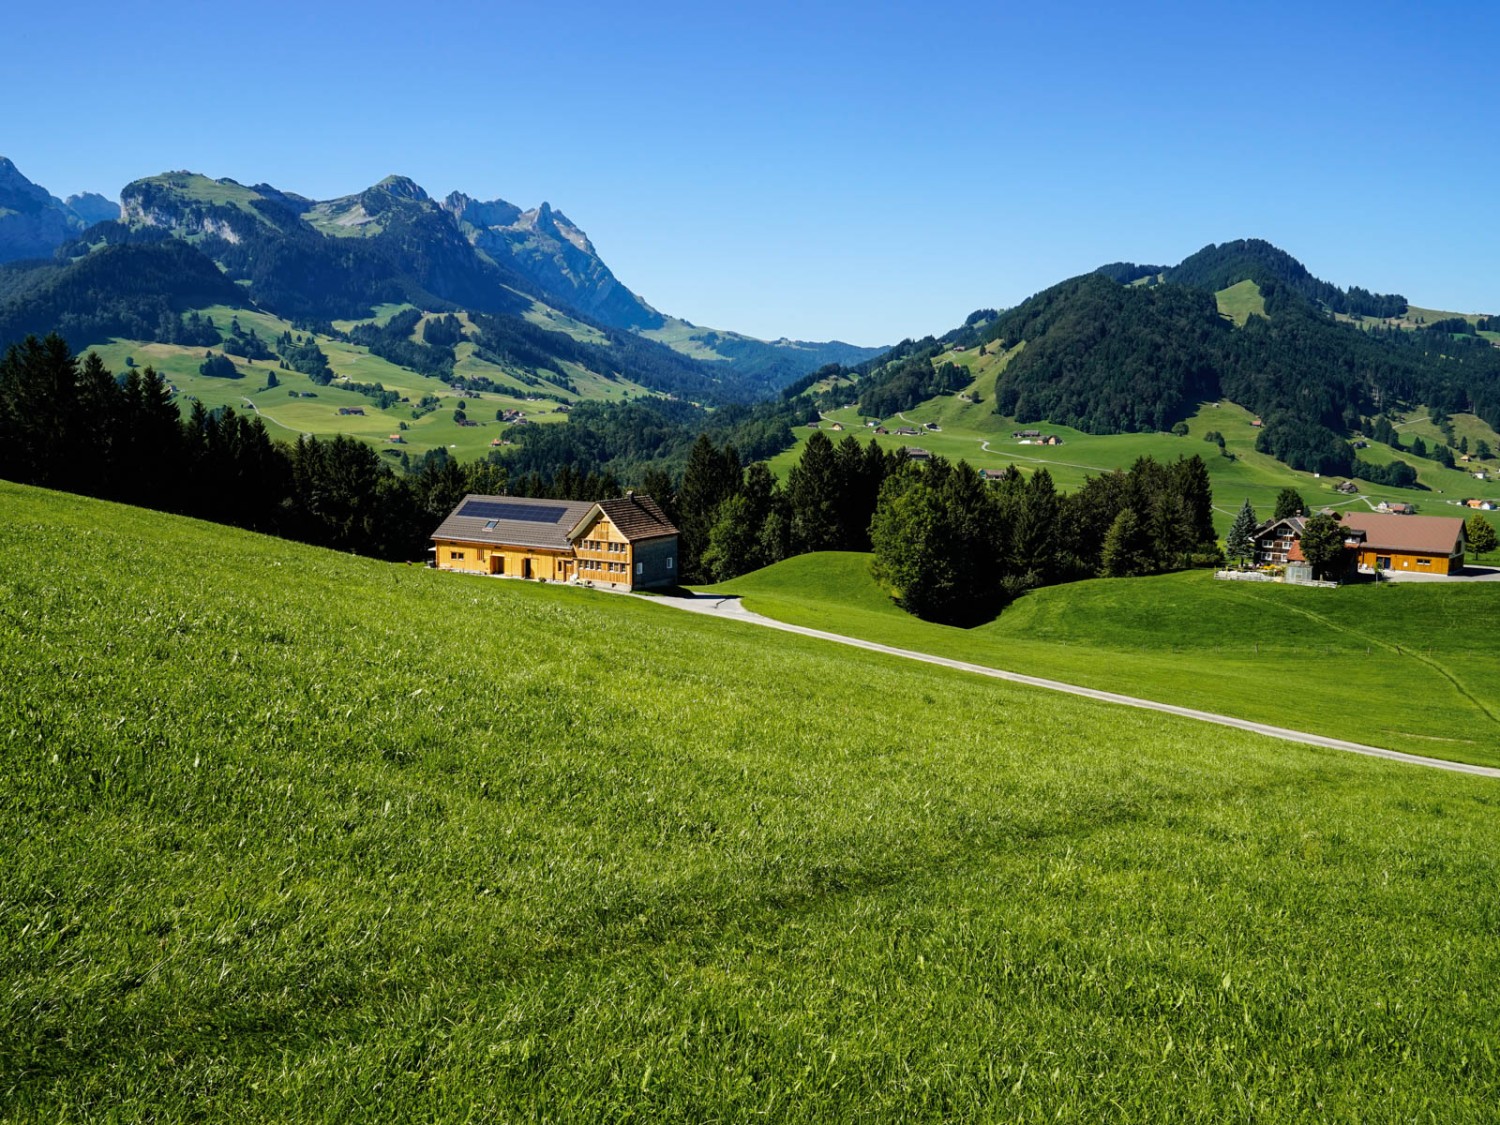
<point>732,609</point>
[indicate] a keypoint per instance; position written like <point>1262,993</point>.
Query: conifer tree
<point>1289,502</point>
<point>1240,542</point>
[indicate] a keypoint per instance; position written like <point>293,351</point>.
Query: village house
<point>916,453</point>
<point>1397,509</point>
<point>1348,488</point>
<point>906,431</point>
<point>992,474</point>
<point>1026,433</point>
<point>625,544</point>
<point>1376,541</point>
<point>1420,544</point>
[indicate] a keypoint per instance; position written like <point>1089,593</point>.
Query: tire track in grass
<point>1389,646</point>
<point>730,608</point>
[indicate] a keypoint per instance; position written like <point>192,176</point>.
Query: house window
<point>640,568</point>
<point>1424,562</point>
<point>455,555</point>
<point>489,525</point>
<point>669,562</point>
<point>1383,562</point>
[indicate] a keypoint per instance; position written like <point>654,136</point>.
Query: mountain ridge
<point>393,242</point>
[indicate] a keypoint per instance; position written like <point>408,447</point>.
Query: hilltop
<point>284,854</point>
<point>1327,374</point>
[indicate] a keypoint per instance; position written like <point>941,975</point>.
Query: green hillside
<point>287,415</point>
<point>972,431</point>
<point>298,835</point>
<point>1404,666</point>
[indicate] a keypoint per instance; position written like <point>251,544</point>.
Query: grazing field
<point>1408,666</point>
<point>294,835</point>
<point>972,432</point>
<point>315,410</point>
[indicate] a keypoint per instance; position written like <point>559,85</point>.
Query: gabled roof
<point>1422,535</point>
<point>519,521</point>
<point>1294,523</point>
<point>636,517</point>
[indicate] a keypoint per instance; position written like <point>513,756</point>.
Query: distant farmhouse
<point>1376,541</point>
<point>624,544</point>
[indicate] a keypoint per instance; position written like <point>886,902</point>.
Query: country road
<point>732,609</point>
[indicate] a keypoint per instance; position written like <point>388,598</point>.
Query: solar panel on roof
<point>522,513</point>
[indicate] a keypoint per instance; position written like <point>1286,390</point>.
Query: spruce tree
<point>1240,542</point>
<point>1288,503</point>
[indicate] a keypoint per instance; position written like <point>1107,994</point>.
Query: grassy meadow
<point>1408,666</point>
<point>286,416</point>
<point>971,431</point>
<point>300,836</point>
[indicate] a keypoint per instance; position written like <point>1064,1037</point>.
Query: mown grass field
<point>298,836</point>
<point>1411,666</point>
<point>287,416</point>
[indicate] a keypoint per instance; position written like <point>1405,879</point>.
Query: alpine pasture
<point>298,835</point>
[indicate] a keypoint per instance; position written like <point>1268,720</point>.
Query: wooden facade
<point>1376,541</point>
<point>624,544</point>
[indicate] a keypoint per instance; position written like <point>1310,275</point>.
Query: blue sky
<point>859,171</point>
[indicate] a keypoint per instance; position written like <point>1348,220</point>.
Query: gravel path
<point>732,609</point>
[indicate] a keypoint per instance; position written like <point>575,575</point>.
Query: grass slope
<point>1403,666</point>
<point>294,835</point>
<point>973,432</point>
<point>287,416</point>
<point>1241,301</point>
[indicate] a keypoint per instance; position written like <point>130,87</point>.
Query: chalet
<point>625,544</point>
<point>1419,544</point>
<point>993,474</point>
<point>1395,509</point>
<point>906,431</point>
<point>1482,505</point>
<point>916,453</point>
<point>1027,434</point>
<point>1348,488</point>
<point>1376,541</point>
<point>360,410</point>
<point>836,426</point>
<point>1051,439</point>
<point>1277,542</point>
<point>881,430</point>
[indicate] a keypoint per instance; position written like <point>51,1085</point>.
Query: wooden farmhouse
<point>624,544</point>
<point>1420,544</point>
<point>1376,541</point>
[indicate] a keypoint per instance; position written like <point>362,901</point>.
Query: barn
<point>627,543</point>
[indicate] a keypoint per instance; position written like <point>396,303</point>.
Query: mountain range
<point>314,261</point>
<point>34,222</point>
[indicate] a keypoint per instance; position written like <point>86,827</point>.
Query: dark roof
<point>1423,535</point>
<point>635,516</point>
<point>1296,523</point>
<point>514,520</point>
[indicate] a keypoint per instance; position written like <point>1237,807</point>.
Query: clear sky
<point>820,170</point>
